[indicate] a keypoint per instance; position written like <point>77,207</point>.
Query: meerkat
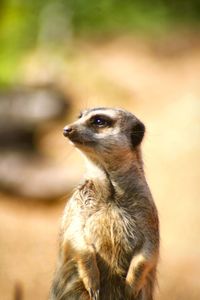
<point>109,244</point>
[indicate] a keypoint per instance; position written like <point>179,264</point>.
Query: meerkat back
<point>109,243</point>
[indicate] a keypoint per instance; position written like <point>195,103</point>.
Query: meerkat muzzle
<point>67,131</point>
<point>72,134</point>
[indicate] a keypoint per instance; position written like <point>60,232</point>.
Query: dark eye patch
<point>100,121</point>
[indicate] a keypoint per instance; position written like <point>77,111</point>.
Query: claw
<point>94,295</point>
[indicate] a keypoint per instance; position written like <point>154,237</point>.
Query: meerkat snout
<point>67,130</point>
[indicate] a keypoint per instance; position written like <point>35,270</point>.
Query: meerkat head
<point>105,133</point>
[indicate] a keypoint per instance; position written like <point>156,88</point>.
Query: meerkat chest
<point>111,228</point>
<point>111,231</point>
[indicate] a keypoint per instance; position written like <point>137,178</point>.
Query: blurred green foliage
<point>25,24</point>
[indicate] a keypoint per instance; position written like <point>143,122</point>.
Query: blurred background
<point>59,57</point>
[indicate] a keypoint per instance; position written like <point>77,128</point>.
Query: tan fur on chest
<point>107,231</point>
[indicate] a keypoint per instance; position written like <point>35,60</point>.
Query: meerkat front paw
<point>94,295</point>
<point>92,285</point>
<point>89,272</point>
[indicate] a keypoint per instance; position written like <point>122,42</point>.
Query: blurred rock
<point>23,110</point>
<point>24,171</point>
<point>28,175</point>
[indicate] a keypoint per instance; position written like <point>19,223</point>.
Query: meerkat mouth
<point>77,140</point>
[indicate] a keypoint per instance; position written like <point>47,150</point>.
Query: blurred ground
<point>162,87</point>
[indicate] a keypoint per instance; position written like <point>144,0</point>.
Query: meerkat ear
<point>137,133</point>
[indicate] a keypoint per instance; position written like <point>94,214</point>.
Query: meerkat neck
<point>115,179</point>
<point>100,178</point>
<point>126,175</point>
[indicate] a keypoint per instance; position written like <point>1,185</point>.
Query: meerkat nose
<point>67,130</point>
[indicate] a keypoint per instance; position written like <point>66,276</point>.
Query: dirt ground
<point>162,87</point>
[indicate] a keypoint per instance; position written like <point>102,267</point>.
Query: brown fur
<point>110,235</point>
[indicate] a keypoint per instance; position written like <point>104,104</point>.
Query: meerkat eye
<point>80,115</point>
<point>99,121</point>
